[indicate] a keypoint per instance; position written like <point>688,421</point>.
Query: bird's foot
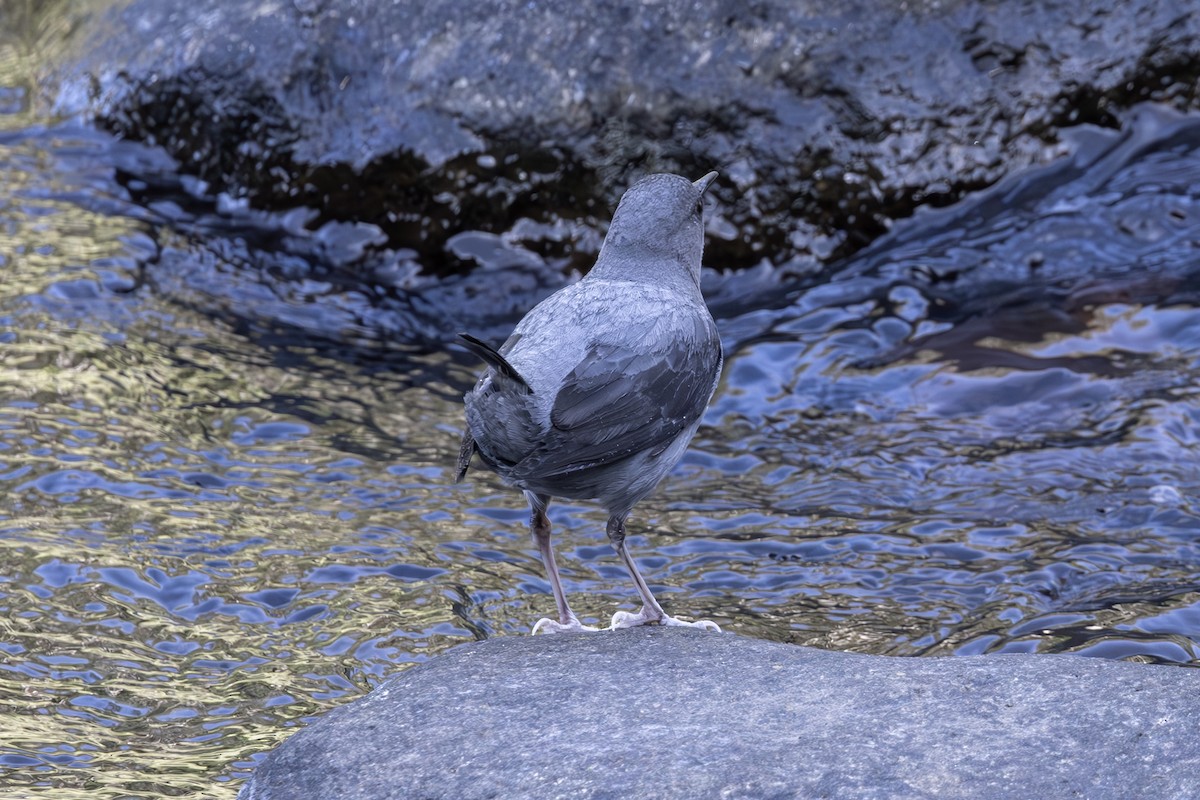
<point>573,625</point>
<point>623,619</point>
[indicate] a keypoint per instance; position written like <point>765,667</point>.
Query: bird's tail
<point>494,360</point>
<point>465,450</point>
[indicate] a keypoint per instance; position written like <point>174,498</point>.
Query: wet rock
<point>529,119</point>
<point>662,713</point>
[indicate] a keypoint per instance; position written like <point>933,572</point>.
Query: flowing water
<point>225,488</point>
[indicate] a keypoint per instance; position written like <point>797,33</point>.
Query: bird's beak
<point>703,183</point>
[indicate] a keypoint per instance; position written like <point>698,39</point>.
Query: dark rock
<point>668,713</point>
<point>427,120</point>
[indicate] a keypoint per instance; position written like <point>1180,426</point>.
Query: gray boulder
<point>669,713</point>
<point>828,121</point>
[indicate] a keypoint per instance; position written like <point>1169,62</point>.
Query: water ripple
<point>212,531</point>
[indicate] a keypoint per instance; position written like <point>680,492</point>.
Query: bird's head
<point>658,226</point>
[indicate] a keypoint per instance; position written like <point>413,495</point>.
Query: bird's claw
<point>703,624</point>
<point>547,626</point>
<point>623,619</point>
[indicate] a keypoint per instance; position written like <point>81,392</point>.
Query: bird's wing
<point>621,400</point>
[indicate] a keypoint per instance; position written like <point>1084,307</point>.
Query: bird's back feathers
<point>600,386</point>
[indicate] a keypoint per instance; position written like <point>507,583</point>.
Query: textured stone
<point>827,121</point>
<point>668,713</point>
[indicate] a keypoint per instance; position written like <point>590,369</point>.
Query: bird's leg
<point>539,526</point>
<point>652,613</point>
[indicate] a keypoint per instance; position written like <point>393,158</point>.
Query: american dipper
<point>601,386</point>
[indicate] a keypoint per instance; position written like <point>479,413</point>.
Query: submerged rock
<point>670,713</point>
<point>530,118</point>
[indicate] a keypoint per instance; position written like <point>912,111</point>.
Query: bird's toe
<point>623,619</point>
<point>547,625</point>
<point>703,624</point>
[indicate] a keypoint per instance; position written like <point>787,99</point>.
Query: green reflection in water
<point>151,488</point>
<point>34,35</point>
<point>197,535</point>
<point>152,493</point>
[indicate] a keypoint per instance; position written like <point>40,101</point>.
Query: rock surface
<point>663,713</point>
<point>826,121</point>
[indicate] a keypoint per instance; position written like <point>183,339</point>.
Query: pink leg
<point>539,526</point>
<point>652,613</point>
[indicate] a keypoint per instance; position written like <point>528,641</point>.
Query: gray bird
<point>601,386</point>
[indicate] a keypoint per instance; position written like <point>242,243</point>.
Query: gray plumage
<point>601,386</point>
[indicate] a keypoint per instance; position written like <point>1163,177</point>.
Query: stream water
<point>225,490</point>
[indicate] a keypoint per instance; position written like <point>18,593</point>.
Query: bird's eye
<point>700,208</point>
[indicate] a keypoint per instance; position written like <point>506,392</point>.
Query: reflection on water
<point>212,530</point>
